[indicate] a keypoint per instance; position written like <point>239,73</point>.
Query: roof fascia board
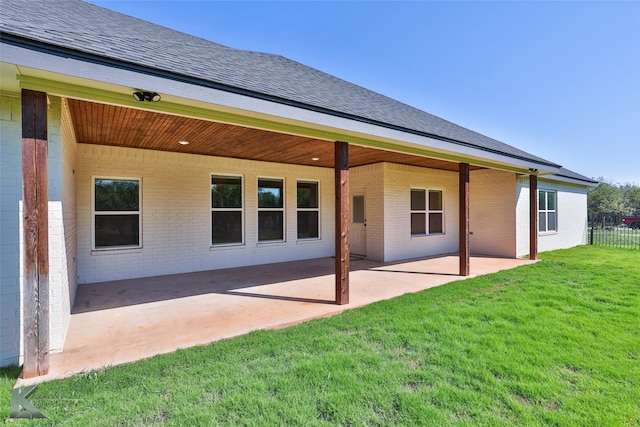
<point>273,115</point>
<point>560,178</point>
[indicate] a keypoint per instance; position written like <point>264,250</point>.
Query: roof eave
<point>70,54</point>
<point>572,180</point>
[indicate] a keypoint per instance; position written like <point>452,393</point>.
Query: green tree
<point>631,194</point>
<point>606,204</point>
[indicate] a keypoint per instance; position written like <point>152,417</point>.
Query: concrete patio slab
<point>124,321</point>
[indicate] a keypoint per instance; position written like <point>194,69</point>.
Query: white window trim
<point>306,239</point>
<point>282,209</point>
<point>352,212</point>
<point>94,213</point>
<point>547,232</point>
<point>420,211</point>
<point>428,211</point>
<point>241,210</point>
<point>441,211</point>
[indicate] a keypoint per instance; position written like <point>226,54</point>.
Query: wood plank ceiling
<point>127,127</point>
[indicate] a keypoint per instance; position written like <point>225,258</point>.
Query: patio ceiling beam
<point>465,253</point>
<point>533,217</point>
<point>341,162</point>
<point>35,307</point>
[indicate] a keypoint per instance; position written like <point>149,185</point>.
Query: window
<point>435,212</point>
<point>426,218</point>
<point>308,210</point>
<point>226,210</point>
<point>270,209</point>
<point>547,211</point>
<point>418,212</point>
<point>116,213</point>
<point>357,209</point>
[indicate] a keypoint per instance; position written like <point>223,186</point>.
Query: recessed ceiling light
<point>183,142</point>
<point>315,159</point>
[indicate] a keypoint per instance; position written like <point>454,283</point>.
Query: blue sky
<point>560,80</point>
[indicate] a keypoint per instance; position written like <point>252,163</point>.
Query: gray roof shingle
<point>564,172</point>
<point>87,29</point>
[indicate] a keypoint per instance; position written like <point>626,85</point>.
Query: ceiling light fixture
<point>183,142</point>
<point>315,159</point>
<point>146,96</point>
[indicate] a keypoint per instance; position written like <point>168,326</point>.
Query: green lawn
<point>554,343</point>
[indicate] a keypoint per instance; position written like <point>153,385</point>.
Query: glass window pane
<point>270,225</point>
<point>307,194</point>
<point>418,200</point>
<point>542,200</point>
<point>435,200</point>
<point>551,200</point>
<point>308,225</point>
<point>358,209</point>
<point>418,223</point>
<point>117,230</point>
<point>117,195</point>
<point>226,227</point>
<point>542,221</point>
<point>552,221</point>
<point>226,192</point>
<point>270,193</point>
<point>435,223</point>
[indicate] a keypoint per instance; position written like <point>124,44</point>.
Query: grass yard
<point>555,343</point>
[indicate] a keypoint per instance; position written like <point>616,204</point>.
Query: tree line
<point>609,202</point>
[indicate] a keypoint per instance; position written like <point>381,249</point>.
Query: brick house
<point>132,150</point>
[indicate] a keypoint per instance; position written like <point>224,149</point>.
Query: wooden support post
<point>533,217</point>
<point>36,234</point>
<point>465,252</point>
<point>341,162</point>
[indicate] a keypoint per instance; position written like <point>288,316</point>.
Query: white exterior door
<point>358,229</point>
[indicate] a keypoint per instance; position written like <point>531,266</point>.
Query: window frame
<point>435,211</point>
<point>427,211</point>
<point>418,211</point>
<point>316,209</point>
<point>280,209</point>
<point>547,211</point>
<point>241,209</point>
<point>94,213</point>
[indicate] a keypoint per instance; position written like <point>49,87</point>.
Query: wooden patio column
<point>463,182</point>
<point>533,217</point>
<point>36,234</point>
<point>341,165</point>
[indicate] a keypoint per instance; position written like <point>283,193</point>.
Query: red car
<point>632,222</point>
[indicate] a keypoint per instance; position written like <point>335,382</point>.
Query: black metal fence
<point>619,237</point>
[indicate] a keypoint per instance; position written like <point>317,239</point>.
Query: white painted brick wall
<point>572,216</point>
<point>398,242</point>
<point>176,205</point>
<point>11,229</point>
<point>522,216</point>
<point>368,180</point>
<point>10,232</point>
<point>492,218</point>
<point>65,229</point>
<point>58,295</point>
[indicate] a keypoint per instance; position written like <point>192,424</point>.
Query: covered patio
<point>127,320</point>
<point>123,321</point>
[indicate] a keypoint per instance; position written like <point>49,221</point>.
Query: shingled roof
<point>77,29</point>
<point>566,173</point>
